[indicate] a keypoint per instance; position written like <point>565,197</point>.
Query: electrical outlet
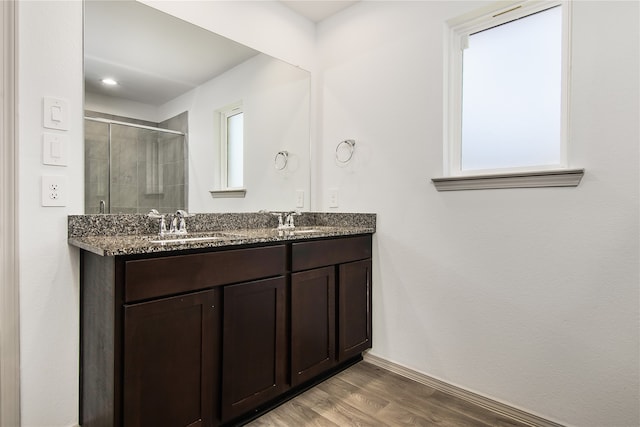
<point>333,198</point>
<point>300,199</point>
<point>54,190</point>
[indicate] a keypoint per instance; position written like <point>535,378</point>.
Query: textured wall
<point>50,56</point>
<point>50,63</point>
<point>526,296</point>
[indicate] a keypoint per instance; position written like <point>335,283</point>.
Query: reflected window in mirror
<point>232,146</point>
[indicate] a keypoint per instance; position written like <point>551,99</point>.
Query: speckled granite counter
<point>111,235</point>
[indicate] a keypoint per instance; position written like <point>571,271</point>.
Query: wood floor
<point>365,395</point>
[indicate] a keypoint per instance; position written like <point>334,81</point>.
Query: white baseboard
<point>477,399</point>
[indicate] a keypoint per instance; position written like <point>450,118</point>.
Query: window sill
<point>234,193</point>
<point>551,178</point>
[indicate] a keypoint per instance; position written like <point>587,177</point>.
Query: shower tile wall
<point>174,164</point>
<point>96,177</point>
<point>147,168</point>
<point>124,168</point>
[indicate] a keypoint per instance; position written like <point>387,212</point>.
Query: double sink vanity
<point>218,325</point>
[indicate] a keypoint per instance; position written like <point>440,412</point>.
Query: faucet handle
<point>163,226</point>
<point>173,225</point>
<point>153,213</point>
<point>181,213</point>
<point>179,225</point>
<point>280,221</point>
<point>182,226</point>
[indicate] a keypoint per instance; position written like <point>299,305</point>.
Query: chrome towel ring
<point>345,150</point>
<point>281,160</point>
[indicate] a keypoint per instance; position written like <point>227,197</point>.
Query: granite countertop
<point>113,235</point>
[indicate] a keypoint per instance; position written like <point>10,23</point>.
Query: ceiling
<point>156,57</point>
<point>317,10</point>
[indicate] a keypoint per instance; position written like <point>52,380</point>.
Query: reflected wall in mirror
<point>167,68</point>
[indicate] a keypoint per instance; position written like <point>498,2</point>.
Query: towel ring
<point>281,160</point>
<point>345,150</point>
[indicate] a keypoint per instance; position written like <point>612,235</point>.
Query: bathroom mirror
<point>173,75</point>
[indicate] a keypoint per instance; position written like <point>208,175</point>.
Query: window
<point>232,147</point>
<point>511,86</point>
<point>507,95</point>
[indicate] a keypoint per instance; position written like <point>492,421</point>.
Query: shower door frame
<point>110,122</point>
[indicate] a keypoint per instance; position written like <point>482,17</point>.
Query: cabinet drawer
<point>306,255</point>
<point>150,278</point>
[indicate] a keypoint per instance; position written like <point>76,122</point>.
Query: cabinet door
<point>313,314</point>
<point>254,357</point>
<point>354,308</point>
<point>170,362</point>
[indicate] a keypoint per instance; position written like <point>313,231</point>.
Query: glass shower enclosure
<point>132,168</point>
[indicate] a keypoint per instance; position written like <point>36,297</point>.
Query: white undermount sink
<point>200,237</point>
<point>185,239</point>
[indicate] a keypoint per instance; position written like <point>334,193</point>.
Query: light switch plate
<point>54,190</point>
<point>54,149</point>
<point>55,113</point>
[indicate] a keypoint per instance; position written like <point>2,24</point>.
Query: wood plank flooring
<point>366,395</point>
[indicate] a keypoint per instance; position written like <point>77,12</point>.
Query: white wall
<point>121,107</point>
<point>264,25</point>
<point>526,296</point>
<point>50,64</point>
<point>275,100</point>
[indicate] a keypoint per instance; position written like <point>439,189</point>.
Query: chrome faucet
<point>289,219</point>
<point>178,224</point>
<point>280,223</point>
<point>285,219</point>
<point>173,227</point>
<point>153,213</point>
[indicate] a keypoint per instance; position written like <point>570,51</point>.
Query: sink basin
<point>199,237</point>
<point>181,240</point>
<point>233,235</point>
<point>312,230</point>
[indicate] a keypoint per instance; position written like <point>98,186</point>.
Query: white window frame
<point>457,33</point>
<point>225,190</point>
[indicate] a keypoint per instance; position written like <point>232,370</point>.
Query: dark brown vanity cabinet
<point>254,347</point>
<point>210,337</point>
<point>330,304</point>
<point>151,332</point>
<point>313,316</point>
<point>354,308</point>
<point>170,363</point>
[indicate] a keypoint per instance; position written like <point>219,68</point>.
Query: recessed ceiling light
<point>109,82</point>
